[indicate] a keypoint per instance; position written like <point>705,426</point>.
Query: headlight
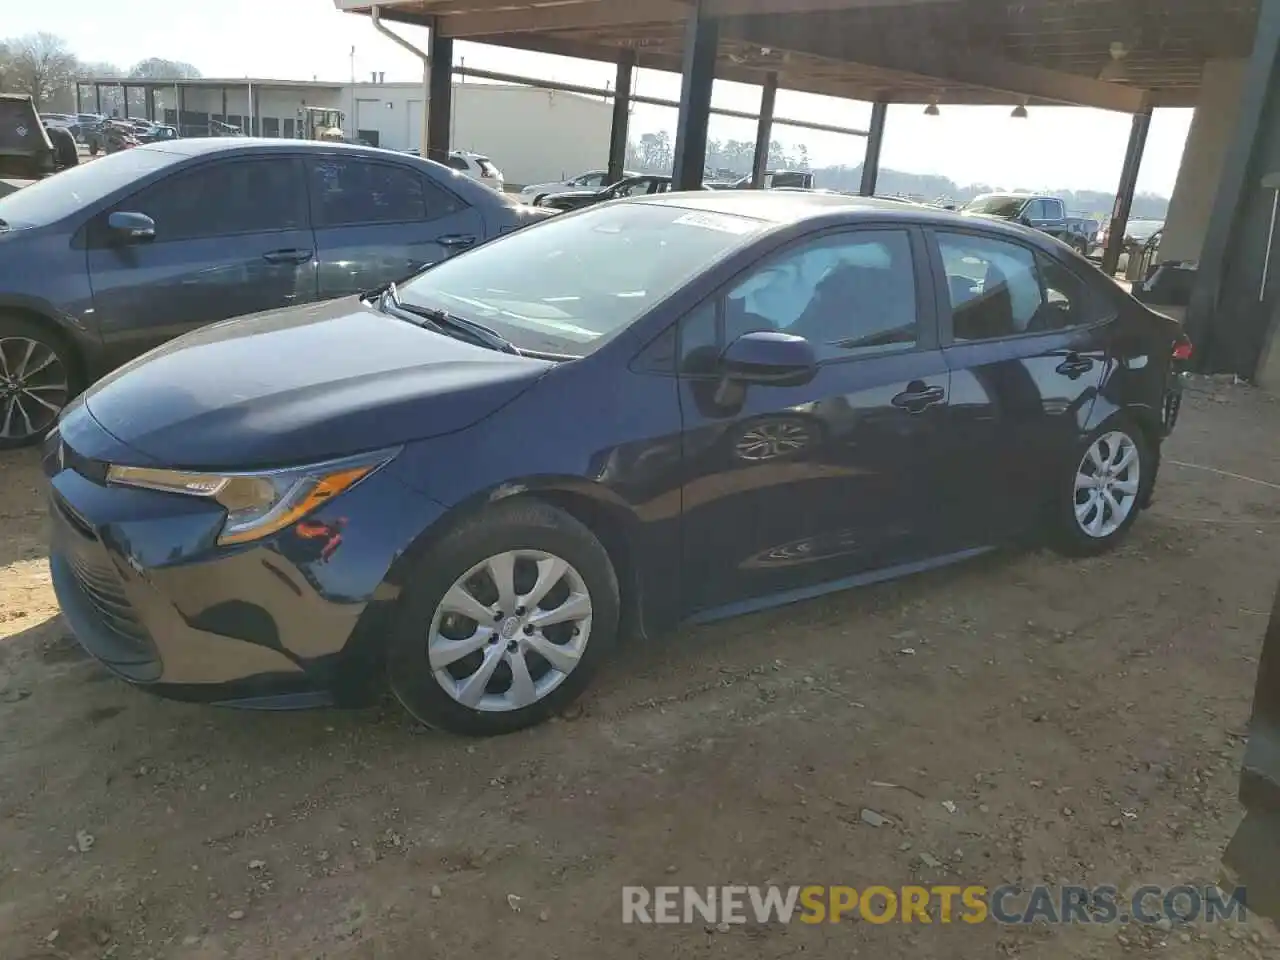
<point>258,504</point>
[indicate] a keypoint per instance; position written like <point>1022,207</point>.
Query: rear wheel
<point>1104,494</point>
<point>505,621</point>
<point>37,379</point>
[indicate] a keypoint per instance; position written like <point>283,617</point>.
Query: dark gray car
<point>102,262</point>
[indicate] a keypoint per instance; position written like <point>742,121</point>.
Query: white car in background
<point>478,167</point>
<point>591,180</point>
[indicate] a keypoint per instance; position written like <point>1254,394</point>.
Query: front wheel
<point>1103,496</point>
<point>504,621</point>
<point>37,379</point>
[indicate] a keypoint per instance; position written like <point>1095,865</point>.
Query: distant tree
<point>98,68</point>
<point>157,68</point>
<point>39,64</point>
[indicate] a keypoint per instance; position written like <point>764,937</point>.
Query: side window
<point>346,192</point>
<point>993,285</point>
<point>847,292</point>
<point>1054,210</point>
<point>223,199</point>
<point>1068,301</point>
<point>458,163</point>
<point>595,180</point>
<point>1001,289</point>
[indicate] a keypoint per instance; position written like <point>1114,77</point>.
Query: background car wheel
<point>1104,492</point>
<point>93,148</point>
<point>504,621</point>
<point>38,377</point>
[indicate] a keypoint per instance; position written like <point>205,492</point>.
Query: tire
<point>1081,531</point>
<point>93,147</point>
<point>38,368</point>
<point>533,532</point>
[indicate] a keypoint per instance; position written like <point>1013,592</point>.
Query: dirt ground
<point>1085,718</point>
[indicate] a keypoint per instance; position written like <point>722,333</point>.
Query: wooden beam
<point>943,64</point>
<point>551,15</point>
<point>565,16</point>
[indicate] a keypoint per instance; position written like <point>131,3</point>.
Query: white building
<point>531,135</point>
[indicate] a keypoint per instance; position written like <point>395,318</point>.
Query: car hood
<point>302,384</point>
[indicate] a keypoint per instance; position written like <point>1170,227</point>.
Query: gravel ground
<point>1085,718</point>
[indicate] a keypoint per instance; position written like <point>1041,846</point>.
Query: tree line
<point>44,67</point>
<point>654,153</point>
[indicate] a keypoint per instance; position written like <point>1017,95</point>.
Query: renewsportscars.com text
<point>970,903</point>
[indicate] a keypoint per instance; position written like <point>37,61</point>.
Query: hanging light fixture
<point>1115,67</point>
<point>1019,112</point>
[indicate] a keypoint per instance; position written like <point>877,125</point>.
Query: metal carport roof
<point>1113,54</point>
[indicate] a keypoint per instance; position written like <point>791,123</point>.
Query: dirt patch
<point>1083,718</point>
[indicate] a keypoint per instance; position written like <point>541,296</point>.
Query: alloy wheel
<point>34,387</point>
<point>510,630</point>
<point>1107,483</point>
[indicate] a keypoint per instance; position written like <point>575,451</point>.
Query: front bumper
<point>292,621</point>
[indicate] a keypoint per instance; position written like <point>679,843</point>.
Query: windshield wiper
<point>443,319</point>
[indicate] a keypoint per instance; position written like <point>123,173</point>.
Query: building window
<point>288,127</point>
<point>271,126</point>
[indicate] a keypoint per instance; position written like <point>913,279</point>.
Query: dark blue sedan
<point>111,258</point>
<point>647,412</point>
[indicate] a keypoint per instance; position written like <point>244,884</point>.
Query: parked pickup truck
<point>1044,213</point>
<point>28,149</point>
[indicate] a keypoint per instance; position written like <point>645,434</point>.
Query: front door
<point>1027,343</point>
<point>378,221</point>
<point>787,488</point>
<point>231,237</point>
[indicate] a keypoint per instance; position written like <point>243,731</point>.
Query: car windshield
<point>62,194</point>
<point>567,284</point>
<point>1143,229</point>
<point>995,205</point>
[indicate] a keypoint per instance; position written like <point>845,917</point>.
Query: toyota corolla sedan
<point>659,410</point>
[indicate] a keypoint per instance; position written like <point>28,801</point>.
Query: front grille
<point>104,591</point>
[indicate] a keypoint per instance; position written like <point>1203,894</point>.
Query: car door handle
<point>917,397</point>
<point>456,241</point>
<point>287,256</point>
<point>1075,366</point>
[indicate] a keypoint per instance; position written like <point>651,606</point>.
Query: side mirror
<point>132,226</point>
<point>768,357</point>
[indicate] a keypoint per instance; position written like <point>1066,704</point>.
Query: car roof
<point>786,207</point>
<point>200,146</point>
<point>790,206</point>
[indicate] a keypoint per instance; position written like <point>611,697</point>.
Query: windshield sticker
<point>712,221</point>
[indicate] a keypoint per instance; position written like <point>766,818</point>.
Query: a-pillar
<point>1235,301</point>
<point>764,131</point>
<point>697,75</point>
<point>1124,195</point>
<point>440,98</point>
<point>871,159</point>
<point>621,115</point>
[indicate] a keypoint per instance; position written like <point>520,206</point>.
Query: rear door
<point>231,237</point>
<point>1026,340</point>
<point>378,221</point>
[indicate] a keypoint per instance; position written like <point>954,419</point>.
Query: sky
<point>1054,148</point>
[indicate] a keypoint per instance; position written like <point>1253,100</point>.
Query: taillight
<point>1182,348</point>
